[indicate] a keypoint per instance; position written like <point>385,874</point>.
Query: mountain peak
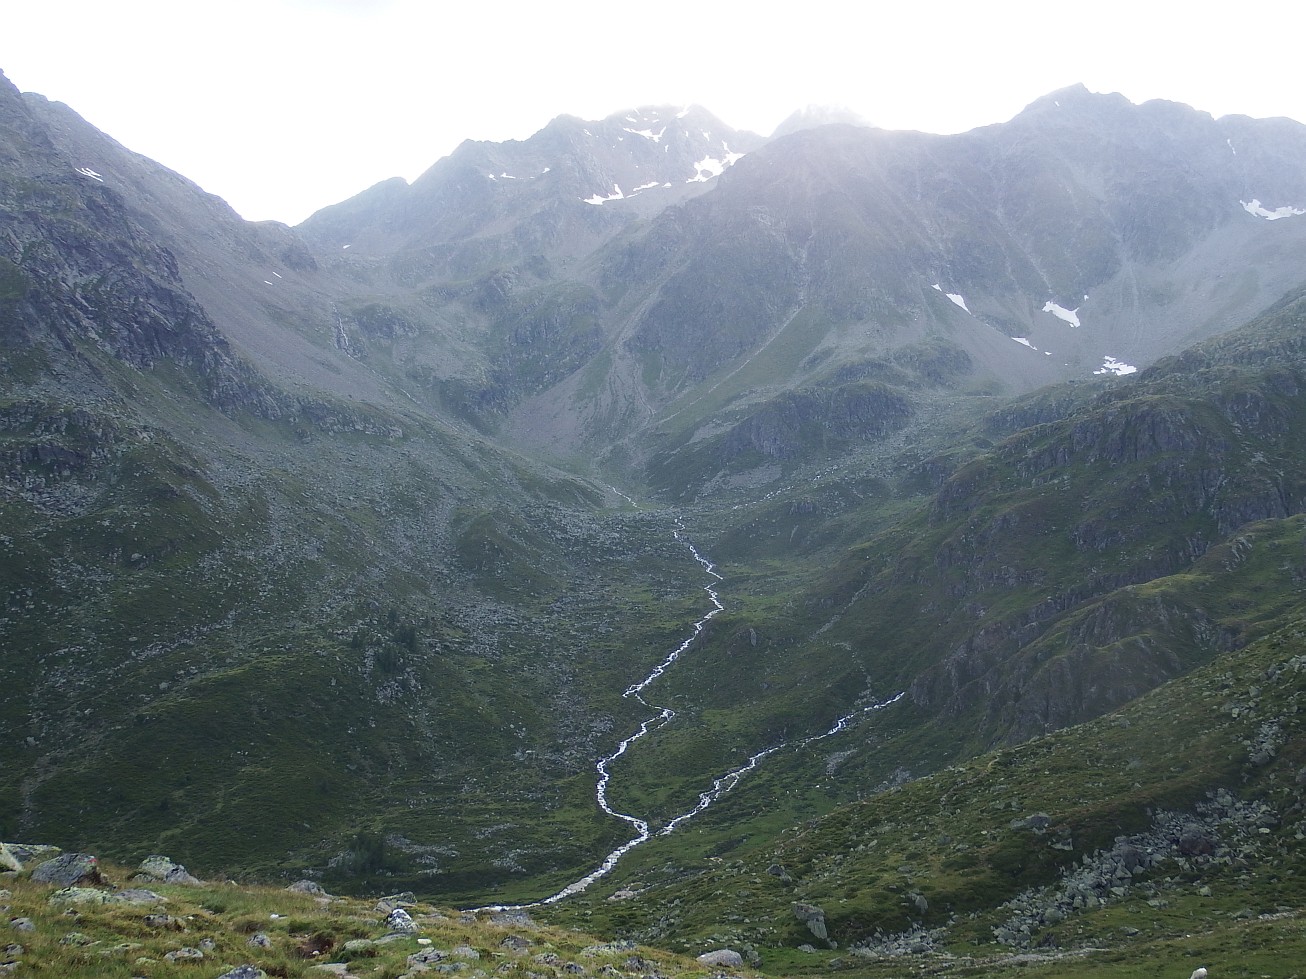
<point>1075,98</point>
<point>811,116</point>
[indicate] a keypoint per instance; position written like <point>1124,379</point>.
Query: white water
<point>662,716</point>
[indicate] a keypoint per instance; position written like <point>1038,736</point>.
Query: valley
<point>966,567</point>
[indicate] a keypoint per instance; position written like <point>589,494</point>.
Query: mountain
<point>351,549</point>
<point>214,511</point>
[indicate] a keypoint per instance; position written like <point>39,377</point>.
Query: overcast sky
<point>284,106</point>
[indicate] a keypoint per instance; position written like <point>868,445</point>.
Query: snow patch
<point>1071,316</point>
<point>1025,341</point>
<point>1229,142</point>
<point>1253,207</point>
<point>705,169</point>
<point>88,172</point>
<point>616,195</point>
<point>344,246</point>
<point>648,133</point>
<point>710,166</point>
<point>277,274</point>
<point>955,297</point>
<point>266,282</point>
<point>1117,367</point>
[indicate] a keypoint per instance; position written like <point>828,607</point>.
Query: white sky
<point>285,106</point>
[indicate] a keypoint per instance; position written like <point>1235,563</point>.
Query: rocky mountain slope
<point>322,555</point>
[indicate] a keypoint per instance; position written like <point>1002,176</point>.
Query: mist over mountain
<point>337,550</point>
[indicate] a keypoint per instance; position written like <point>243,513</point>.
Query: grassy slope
<point>949,837</point>
<point>302,932</point>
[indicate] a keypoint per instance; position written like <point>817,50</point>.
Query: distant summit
<point>812,116</point>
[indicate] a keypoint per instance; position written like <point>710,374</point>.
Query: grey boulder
<point>69,869</point>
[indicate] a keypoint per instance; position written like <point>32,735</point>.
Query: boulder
<point>515,918</point>
<point>400,922</point>
<point>185,955</point>
<point>161,868</point>
<point>259,940</point>
<point>1037,821</point>
<point>813,917</point>
<point>8,861</point>
<point>778,870</point>
<point>81,895</point>
<point>69,869</point>
<point>726,958</point>
<point>244,972</point>
<point>22,924</point>
<point>1194,841</point>
<point>307,887</point>
<point>404,899</point>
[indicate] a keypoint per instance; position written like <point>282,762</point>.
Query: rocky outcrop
<point>797,423</point>
<point>1221,832</point>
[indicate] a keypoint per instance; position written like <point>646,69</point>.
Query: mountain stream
<point>660,717</point>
